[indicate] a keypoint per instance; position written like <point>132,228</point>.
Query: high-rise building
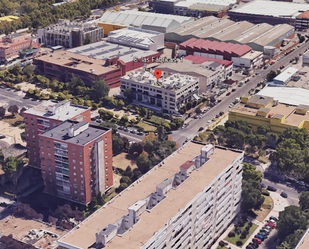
<point>45,116</point>
<point>76,160</point>
<point>186,201</point>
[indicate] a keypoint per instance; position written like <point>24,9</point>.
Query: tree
<point>126,179</point>
<point>251,195</point>
<point>75,83</point>
<point>10,166</point>
<point>28,70</point>
<point>188,106</point>
<point>161,133</point>
<point>263,129</point>
<point>16,70</point>
<point>13,109</point>
<point>136,148</point>
<point>250,172</point>
<point>117,144</point>
<point>61,96</point>
<point>100,89</point>
<point>22,110</point>
<point>143,111</point>
<point>291,219</point>
<point>129,107</point>
<point>292,240</point>
<point>109,125</point>
<point>182,110</point>
<point>304,201</point>
<point>87,39</point>
<point>142,163</point>
<point>198,110</point>
<point>128,94</point>
<point>2,112</point>
<point>271,75</point>
<point>120,104</point>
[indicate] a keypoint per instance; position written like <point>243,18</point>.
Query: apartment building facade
<point>76,160</point>
<point>188,209</point>
<point>12,45</point>
<point>69,34</point>
<point>167,94</point>
<point>46,116</point>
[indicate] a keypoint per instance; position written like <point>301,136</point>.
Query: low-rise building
<point>46,116</point>
<point>302,21</point>
<point>210,73</point>
<point>285,77</point>
<point>137,38</point>
<point>250,59</point>
<point>70,34</point>
<point>186,201</point>
<point>76,160</point>
<point>276,107</point>
<point>306,58</point>
<point>12,46</point>
<point>167,94</point>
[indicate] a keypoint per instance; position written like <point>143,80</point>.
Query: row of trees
<point>239,134</point>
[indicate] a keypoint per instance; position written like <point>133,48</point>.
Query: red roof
<point>200,59</point>
<point>216,47</point>
<point>187,165</point>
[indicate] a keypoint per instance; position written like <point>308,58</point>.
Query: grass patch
<point>16,120</point>
<point>267,206</point>
<point>233,240</point>
<point>263,159</point>
<point>203,136</point>
<point>146,127</point>
<point>156,120</point>
<point>220,247</point>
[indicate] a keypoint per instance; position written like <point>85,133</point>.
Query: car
<point>126,129</point>
<point>265,231</point>
<point>263,185</point>
<point>221,113</point>
<point>257,90</point>
<point>133,131</point>
<point>273,218</point>
<point>264,234</point>
<point>99,121</point>
<point>120,127</point>
<point>271,188</point>
<point>3,204</point>
<point>281,67</point>
<point>2,136</point>
<point>25,107</point>
<point>284,195</point>
<point>259,236</point>
<point>169,132</point>
<point>92,119</point>
<point>234,89</point>
<point>256,240</point>
<point>231,105</point>
<point>217,116</point>
<point>195,117</point>
<point>141,133</point>
<point>214,119</point>
<point>228,94</point>
<point>201,128</point>
<point>254,245</point>
<point>270,224</point>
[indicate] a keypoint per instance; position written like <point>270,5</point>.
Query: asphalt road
<point>15,98</point>
<point>192,130</point>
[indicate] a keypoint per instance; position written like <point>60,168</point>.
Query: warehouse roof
<point>272,8</point>
<point>139,18</point>
<point>200,59</point>
<point>286,74</point>
<point>304,15</point>
<point>214,46</point>
<point>104,50</point>
<point>287,95</point>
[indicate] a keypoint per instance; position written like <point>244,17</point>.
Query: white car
<point>231,105</point>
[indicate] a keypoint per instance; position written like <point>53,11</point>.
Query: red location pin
<point>157,73</point>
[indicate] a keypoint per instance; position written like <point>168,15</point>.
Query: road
<point>99,11</point>
<point>9,98</point>
<point>192,130</point>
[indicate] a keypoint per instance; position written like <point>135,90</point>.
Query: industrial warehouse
<point>257,36</point>
<point>272,12</point>
<point>151,21</point>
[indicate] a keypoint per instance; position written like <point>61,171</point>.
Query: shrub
<point>265,192</point>
<point>247,228</point>
<point>250,224</point>
<point>239,243</point>
<point>231,235</point>
<point>244,217</point>
<point>244,233</point>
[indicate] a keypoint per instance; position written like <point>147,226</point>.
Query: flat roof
<point>277,111</point>
<point>200,59</point>
<point>151,222</point>
<point>70,111</point>
<point>104,50</point>
<point>60,132</point>
<point>272,8</point>
<point>251,55</point>
<point>287,95</point>
<point>304,15</point>
<point>286,74</point>
<point>77,61</point>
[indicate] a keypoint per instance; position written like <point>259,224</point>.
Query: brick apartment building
<point>45,116</point>
<point>12,45</point>
<point>76,160</point>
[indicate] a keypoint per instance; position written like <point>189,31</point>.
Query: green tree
<point>100,89</point>
<point>2,112</point>
<point>87,39</point>
<point>252,197</point>
<point>250,172</point>
<point>28,70</point>
<point>120,104</point>
<point>291,219</point>
<point>126,179</point>
<point>162,133</point>
<point>304,200</point>
<point>74,84</point>
<point>143,111</point>
<point>16,70</point>
<point>129,107</point>
<point>136,148</point>
<point>13,109</point>
<point>117,144</point>
<point>10,166</point>
<point>61,96</point>
<point>142,163</point>
<point>95,106</point>
<point>128,94</point>
<point>263,129</point>
<point>182,110</point>
<point>124,119</point>
<point>109,125</point>
<point>271,75</point>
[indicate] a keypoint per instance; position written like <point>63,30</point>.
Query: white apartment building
<point>167,94</point>
<point>187,201</point>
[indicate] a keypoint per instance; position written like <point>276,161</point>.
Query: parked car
<point>271,188</point>
<point>92,119</point>
<point>259,236</point>
<point>120,127</point>
<point>219,100</point>
<point>133,131</point>
<point>2,136</point>
<point>284,195</point>
<point>228,94</point>
<point>281,67</point>
<point>231,105</point>
<point>273,218</point>
<point>254,245</point>
<point>217,116</point>
<point>126,129</point>
<point>140,133</point>
<point>270,224</point>
<point>263,185</point>
<point>221,113</point>
<point>99,121</point>
<point>201,128</point>
<point>256,240</point>
<point>234,89</point>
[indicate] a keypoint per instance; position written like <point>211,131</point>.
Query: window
<point>43,165</point>
<point>49,167</point>
<point>48,148</point>
<point>105,144</point>
<point>82,193</point>
<point>105,138</point>
<point>48,142</point>
<point>80,163</point>
<point>74,179</point>
<point>106,179</point>
<point>42,153</point>
<point>48,154</point>
<point>81,169</point>
<point>73,154</point>
<point>49,160</point>
<point>81,187</point>
<point>74,161</point>
<point>105,156</point>
<point>90,147</point>
<point>81,175</point>
<point>74,173</point>
<point>74,167</point>
<point>73,148</point>
<point>75,185</point>
<point>80,151</point>
<point>42,146</point>
<point>81,182</point>
<point>106,168</point>
<point>75,192</point>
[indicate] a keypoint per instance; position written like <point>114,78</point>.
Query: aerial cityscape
<point>160,124</point>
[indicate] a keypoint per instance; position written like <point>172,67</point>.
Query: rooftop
<point>259,100</point>
<point>286,74</point>
<point>139,19</point>
<point>272,8</point>
<point>171,82</point>
<point>73,132</point>
<point>69,112</point>
<point>252,55</point>
<point>103,50</point>
<point>287,95</point>
<point>304,15</point>
<point>200,59</point>
<point>83,236</point>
